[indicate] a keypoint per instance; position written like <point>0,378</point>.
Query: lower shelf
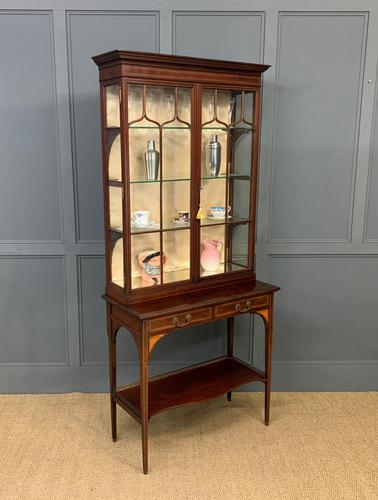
<point>189,385</point>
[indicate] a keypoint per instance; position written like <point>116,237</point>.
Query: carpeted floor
<point>318,446</point>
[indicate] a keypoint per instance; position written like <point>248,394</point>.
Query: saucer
<point>211,216</point>
<point>143,226</point>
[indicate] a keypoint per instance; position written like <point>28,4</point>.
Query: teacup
<point>219,212</point>
<point>140,217</point>
<point>183,215</point>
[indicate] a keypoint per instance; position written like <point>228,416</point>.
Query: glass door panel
<point>212,256</point>
<point>238,246</point>
<point>145,207</point>
<point>159,138</point>
<point>176,246</point>
<point>226,167</point>
<point>146,262</point>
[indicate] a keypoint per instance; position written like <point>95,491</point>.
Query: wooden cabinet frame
<point>150,313</point>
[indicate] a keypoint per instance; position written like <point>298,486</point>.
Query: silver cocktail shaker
<point>214,155</point>
<point>151,160</point>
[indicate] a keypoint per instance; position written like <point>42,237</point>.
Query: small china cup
<point>219,212</point>
<point>183,215</point>
<point>141,217</point>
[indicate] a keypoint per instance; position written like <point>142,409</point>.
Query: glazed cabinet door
<point>158,153</point>
<point>228,169</point>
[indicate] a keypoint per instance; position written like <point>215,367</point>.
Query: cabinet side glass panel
<point>115,185</point>
<point>226,174</point>
<point>113,115</point>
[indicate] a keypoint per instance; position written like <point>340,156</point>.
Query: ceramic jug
<point>211,254</point>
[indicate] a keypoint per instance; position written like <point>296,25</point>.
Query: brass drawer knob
<point>242,309</point>
<point>186,321</point>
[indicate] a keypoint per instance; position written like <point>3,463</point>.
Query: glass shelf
<point>231,266</point>
<point>145,181</point>
<point>143,127</point>
<point>224,129</point>
<point>212,221</point>
<point>223,176</point>
<point>170,276</point>
<point>171,226</point>
<point>205,178</point>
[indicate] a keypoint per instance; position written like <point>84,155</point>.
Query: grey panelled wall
<point>318,202</point>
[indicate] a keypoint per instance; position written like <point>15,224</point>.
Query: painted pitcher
<point>211,254</point>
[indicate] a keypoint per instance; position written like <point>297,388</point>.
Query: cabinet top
<point>167,60</point>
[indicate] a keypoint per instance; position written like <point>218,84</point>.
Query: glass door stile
<point>228,122</point>
<point>254,166</point>
<point>160,249</point>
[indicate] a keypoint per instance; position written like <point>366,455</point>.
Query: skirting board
<point>312,376</point>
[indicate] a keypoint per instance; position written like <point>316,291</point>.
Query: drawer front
<point>180,320</point>
<point>241,306</point>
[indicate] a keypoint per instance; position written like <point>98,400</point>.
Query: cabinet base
<point>189,385</point>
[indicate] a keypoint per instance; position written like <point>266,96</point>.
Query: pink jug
<point>211,254</point>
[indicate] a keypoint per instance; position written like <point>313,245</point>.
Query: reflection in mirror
<point>176,151</point>
<point>176,246</point>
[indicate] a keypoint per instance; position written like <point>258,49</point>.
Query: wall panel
<point>221,35</point>
<point>33,311</point>
<point>29,164</point>
<point>371,229</point>
<point>319,313</point>
<point>320,62</point>
<point>103,31</point>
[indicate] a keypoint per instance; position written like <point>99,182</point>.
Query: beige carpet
<point>318,446</point>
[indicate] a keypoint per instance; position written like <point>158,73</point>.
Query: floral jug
<point>211,254</point>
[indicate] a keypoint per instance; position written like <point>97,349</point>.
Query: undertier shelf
<point>190,385</point>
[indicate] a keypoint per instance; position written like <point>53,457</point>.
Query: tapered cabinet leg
<point>268,358</point>
<point>113,406</point>
<point>268,361</point>
<point>230,344</point>
<point>144,412</point>
<point>112,336</point>
<point>144,400</point>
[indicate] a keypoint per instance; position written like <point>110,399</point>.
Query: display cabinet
<point>180,168</point>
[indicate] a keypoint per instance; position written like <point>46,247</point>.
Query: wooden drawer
<point>180,320</point>
<point>241,306</point>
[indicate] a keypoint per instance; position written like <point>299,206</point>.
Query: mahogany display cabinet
<point>180,142</point>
